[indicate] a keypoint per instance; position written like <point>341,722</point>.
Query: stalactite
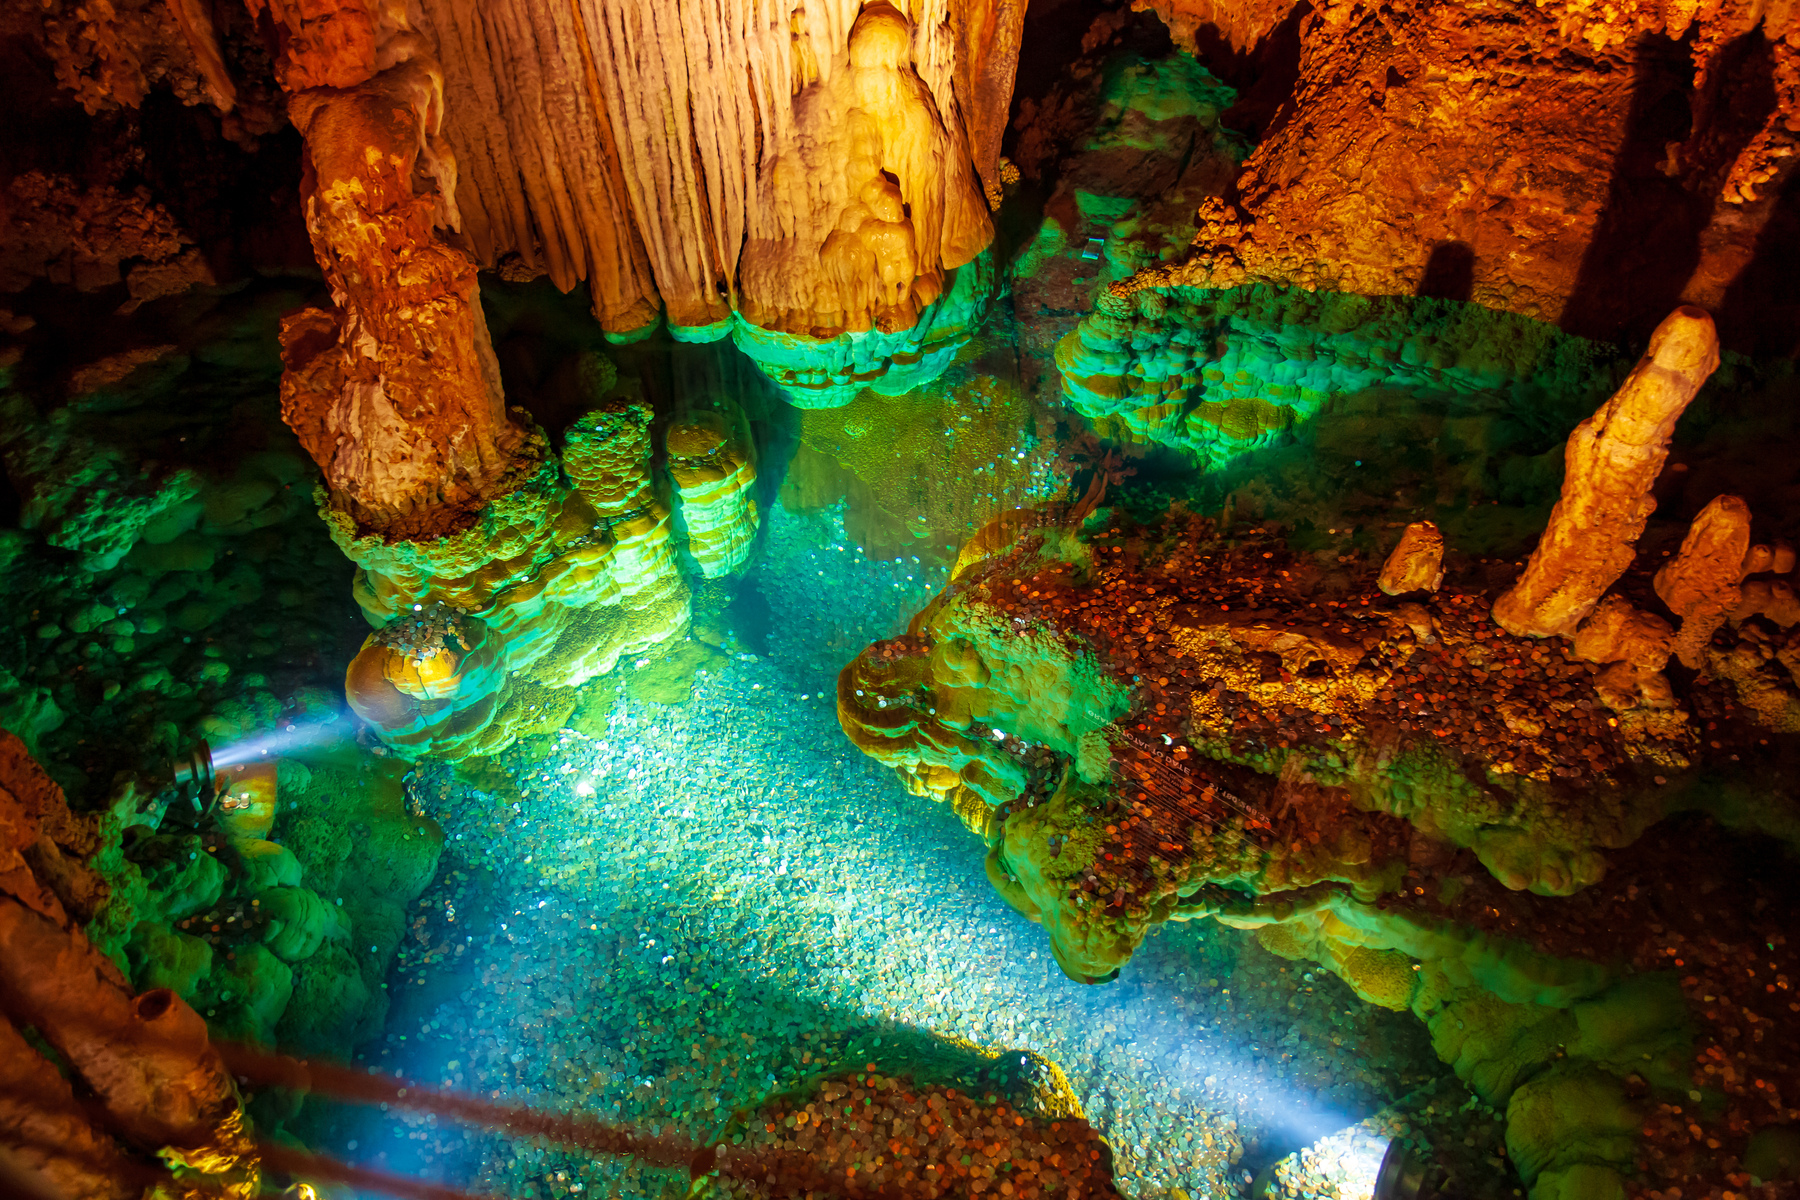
<point>818,171</point>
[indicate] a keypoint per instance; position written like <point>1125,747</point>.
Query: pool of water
<point>667,917</point>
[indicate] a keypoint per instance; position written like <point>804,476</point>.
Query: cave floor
<point>668,917</point>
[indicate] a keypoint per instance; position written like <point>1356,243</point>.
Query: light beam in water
<point>285,738</point>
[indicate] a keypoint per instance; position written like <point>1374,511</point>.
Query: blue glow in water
<point>286,738</point>
<point>690,906</point>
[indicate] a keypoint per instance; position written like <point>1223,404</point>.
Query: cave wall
<point>1588,167</point>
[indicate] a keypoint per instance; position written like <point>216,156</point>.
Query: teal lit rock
<point>1218,373</point>
<point>829,372</point>
<point>326,1009</point>
<point>163,958</point>
<point>248,993</point>
<point>181,872</point>
<point>267,865</point>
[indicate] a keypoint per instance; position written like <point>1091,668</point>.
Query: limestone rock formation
<point>904,206</point>
<point>1127,191</point>
<point>1387,172</point>
<point>1216,374</point>
<point>430,679</point>
<point>1416,564</point>
<point>607,455</point>
<point>1148,713</point>
<point>818,170</point>
<point>1168,722</point>
<point>144,1058</point>
<point>1612,459</point>
<point>84,235</point>
<point>1201,26</point>
<point>819,173</point>
<point>541,587</point>
<point>80,490</point>
<point>1634,646</point>
<point>1700,584</point>
<point>111,55</point>
<point>394,391</point>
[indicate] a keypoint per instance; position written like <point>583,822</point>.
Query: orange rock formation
<point>394,391</point>
<point>1700,584</point>
<point>818,171</point>
<point>1635,646</point>
<point>1611,460</point>
<point>1520,154</point>
<point>1417,563</point>
<point>145,1059</point>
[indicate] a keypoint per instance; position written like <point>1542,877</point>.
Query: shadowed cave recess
<point>1183,599</point>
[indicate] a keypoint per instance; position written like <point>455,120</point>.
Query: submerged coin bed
<point>693,908</point>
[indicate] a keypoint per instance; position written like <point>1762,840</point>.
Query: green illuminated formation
<point>1559,1043</point>
<point>480,631</point>
<point>1155,152</point>
<point>827,372</point>
<point>1058,675</point>
<point>1173,722</point>
<point>1217,373</point>
<point>713,463</point>
<point>288,941</point>
<point>81,493</point>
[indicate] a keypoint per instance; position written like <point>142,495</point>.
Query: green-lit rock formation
<point>1173,721</point>
<point>826,372</point>
<point>552,583</point>
<point>284,942</point>
<point>1217,373</point>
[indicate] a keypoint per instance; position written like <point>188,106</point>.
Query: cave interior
<point>1179,599</point>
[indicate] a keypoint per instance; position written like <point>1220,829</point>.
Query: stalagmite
<point>1772,599</point>
<point>1610,460</point>
<point>1700,584</point>
<point>394,391</point>
<point>1417,563</point>
<point>1634,646</point>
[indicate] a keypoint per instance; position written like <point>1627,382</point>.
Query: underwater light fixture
<point>1400,1175</point>
<point>1361,1165</point>
<point>194,770</point>
<point>1391,1169</point>
<point>193,777</point>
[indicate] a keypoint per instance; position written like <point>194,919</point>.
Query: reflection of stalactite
<point>608,456</point>
<point>713,464</point>
<point>710,454</point>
